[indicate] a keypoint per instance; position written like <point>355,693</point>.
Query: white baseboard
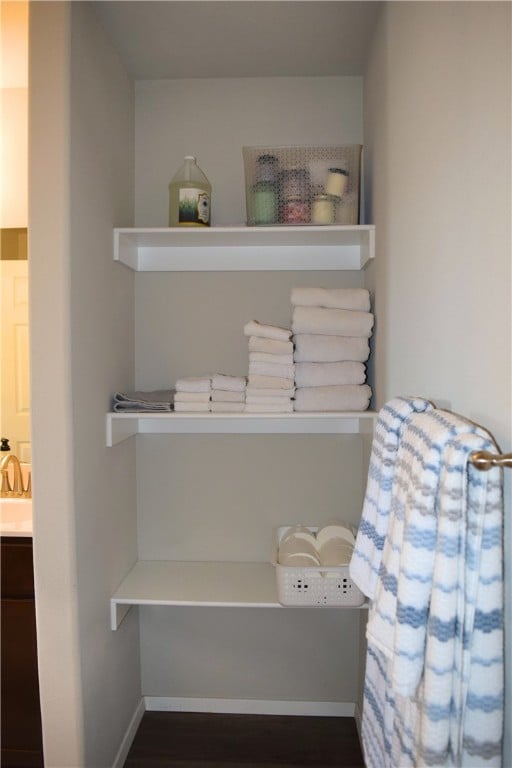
<point>128,737</point>
<point>250,706</point>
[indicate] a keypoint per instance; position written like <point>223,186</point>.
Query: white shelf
<point>121,426</point>
<point>245,248</point>
<point>182,583</point>
<point>168,582</point>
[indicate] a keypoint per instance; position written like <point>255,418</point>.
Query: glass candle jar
<point>323,210</point>
<point>295,210</point>
<point>265,203</point>
<point>336,182</point>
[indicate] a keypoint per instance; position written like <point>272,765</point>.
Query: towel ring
<point>484,460</point>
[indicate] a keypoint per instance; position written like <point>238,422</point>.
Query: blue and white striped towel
<point>434,681</point>
<point>366,560</point>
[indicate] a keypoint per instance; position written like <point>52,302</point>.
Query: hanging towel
<point>434,679</point>
<point>255,328</point>
<point>194,384</point>
<point>273,346</point>
<point>228,383</point>
<point>332,322</point>
<point>345,397</point>
<point>317,348</point>
<point>156,400</point>
<point>325,374</point>
<point>366,560</point>
<point>333,298</point>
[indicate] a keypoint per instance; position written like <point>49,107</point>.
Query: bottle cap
<point>190,157</point>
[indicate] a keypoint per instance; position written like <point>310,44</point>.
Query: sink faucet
<point>18,490</point>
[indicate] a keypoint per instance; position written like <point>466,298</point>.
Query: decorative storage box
<point>319,585</point>
<point>302,185</point>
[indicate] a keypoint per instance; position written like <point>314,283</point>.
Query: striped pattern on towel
<point>434,680</point>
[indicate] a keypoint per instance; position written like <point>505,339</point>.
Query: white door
<point>14,340</point>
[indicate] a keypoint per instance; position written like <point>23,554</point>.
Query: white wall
<point>437,137</point>
<point>81,185</point>
<point>213,119</point>
<point>218,498</point>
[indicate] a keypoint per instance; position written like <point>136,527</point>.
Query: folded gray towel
<point>156,400</point>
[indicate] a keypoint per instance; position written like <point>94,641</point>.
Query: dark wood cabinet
<point>22,744</point>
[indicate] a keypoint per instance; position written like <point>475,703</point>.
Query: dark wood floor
<point>196,740</point>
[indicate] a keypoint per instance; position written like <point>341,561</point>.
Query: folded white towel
<point>227,407</point>
<point>346,397</point>
<point>316,348</point>
<point>194,384</point>
<point>269,408</point>
<point>268,357</point>
<point>333,298</point>
<point>272,369</point>
<point>192,407</point>
<point>191,397</point>
<point>228,383</point>
<point>255,328</point>
<point>269,392</point>
<point>274,346</point>
<point>325,374</point>
<point>276,400</point>
<point>224,396</point>
<point>156,400</point>
<point>270,382</point>
<point>337,322</point>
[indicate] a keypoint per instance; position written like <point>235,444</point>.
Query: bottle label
<point>194,206</point>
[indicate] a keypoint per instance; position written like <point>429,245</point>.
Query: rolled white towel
<point>346,397</point>
<point>191,407</point>
<point>270,382</point>
<point>269,408</point>
<point>226,407</point>
<point>255,328</point>
<point>224,396</point>
<point>269,392</point>
<point>194,384</point>
<point>272,369</point>
<point>332,322</point>
<point>274,346</point>
<point>228,383</point>
<point>333,298</point>
<point>192,397</point>
<point>262,400</point>
<point>317,348</point>
<point>268,357</point>
<point>325,374</point>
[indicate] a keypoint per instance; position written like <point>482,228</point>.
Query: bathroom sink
<point>16,517</point>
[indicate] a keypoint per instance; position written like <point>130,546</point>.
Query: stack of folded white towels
<point>193,394</point>
<point>270,385</point>
<point>227,393</point>
<point>331,331</point>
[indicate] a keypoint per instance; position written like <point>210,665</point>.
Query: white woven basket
<point>327,586</point>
